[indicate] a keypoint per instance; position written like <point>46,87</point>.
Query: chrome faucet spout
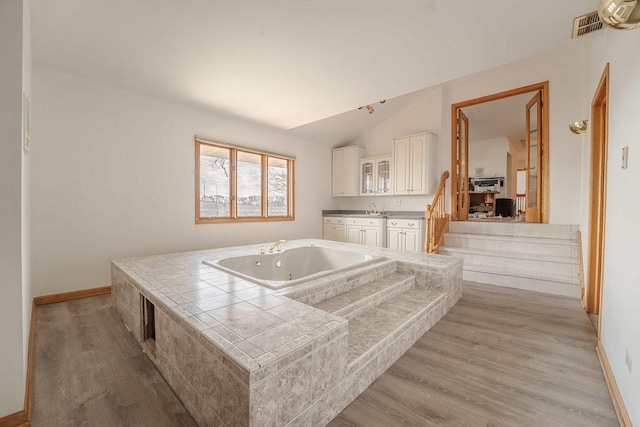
<point>276,246</point>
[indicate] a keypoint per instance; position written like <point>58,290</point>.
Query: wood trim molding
<point>616,397</point>
<point>20,418</point>
<point>545,143</point>
<point>67,296</point>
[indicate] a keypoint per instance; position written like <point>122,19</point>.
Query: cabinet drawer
<point>375,222</point>
<point>334,220</point>
<point>405,223</point>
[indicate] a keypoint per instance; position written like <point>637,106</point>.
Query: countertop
<point>363,214</point>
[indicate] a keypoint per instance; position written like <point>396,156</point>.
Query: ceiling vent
<point>586,24</point>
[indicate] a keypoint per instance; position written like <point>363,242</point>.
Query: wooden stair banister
<point>437,220</point>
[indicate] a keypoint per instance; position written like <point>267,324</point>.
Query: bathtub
<point>291,266</point>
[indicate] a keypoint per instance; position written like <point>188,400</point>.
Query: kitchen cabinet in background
<point>415,164</point>
<point>406,234</point>
<point>346,166</point>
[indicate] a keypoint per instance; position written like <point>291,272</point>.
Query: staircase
<point>386,310</point>
<point>535,257</point>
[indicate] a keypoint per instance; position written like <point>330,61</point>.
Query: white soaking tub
<point>291,266</point>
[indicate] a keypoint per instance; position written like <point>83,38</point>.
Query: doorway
<point>597,194</point>
<point>473,183</point>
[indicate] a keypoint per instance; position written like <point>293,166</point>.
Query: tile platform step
<point>371,333</point>
<point>364,297</point>
<point>453,250</point>
<point>532,245</point>
<point>517,229</point>
<point>528,274</point>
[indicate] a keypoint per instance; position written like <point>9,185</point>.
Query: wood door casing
<point>462,166</point>
<point>545,143</point>
<point>533,142</point>
<point>597,194</point>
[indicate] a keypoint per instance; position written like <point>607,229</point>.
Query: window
<point>239,185</point>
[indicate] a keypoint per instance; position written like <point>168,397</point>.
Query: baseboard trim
<point>23,418</point>
<point>19,418</point>
<point>66,296</point>
<point>616,397</point>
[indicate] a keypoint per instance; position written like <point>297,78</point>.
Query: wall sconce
<point>579,128</point>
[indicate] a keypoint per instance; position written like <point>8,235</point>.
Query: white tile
<point>524,283</point>
<point>555,231</point>
<point>491,279</point>
<point>526,230</point>
<point>469,276</point>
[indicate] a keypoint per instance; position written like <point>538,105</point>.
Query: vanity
<point>403,230</point>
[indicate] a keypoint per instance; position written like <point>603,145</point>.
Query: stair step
<point>557,284</point>
<point>362,298</point>
<point>375,331</point>
<point>531,245</point>
<point>453,250</point>
<point>516,229</point>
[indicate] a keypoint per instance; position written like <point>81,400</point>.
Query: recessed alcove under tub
<point>239,353</point>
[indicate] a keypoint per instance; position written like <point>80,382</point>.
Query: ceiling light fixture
<point>369,108</point>
<point>620,14</point>
<point>579,128</point>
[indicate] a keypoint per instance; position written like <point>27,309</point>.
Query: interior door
<point>462,166</point>
<point>534,134</point>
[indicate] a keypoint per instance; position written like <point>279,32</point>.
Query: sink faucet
<point>372,211</point>
<point>276,246</point>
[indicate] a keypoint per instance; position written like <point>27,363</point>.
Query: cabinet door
<point>393,238</point>
<point>418,165</point>
<point>371,236</point>
<point>340,233</point>
<point>383,175</point>
<point>350,173</point>
<point>412,240</point>
<point>401,164</point>
<point>367,177</point>
<point>328,232</point>
<point>337,187</point>
<point>354,234</point>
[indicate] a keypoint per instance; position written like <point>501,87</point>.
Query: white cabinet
<point>375,176</point>
<point>415,164</point>
<point>406,234</point>
<point>366,231</point>
<point>346,162</point>
<point>334,228</point>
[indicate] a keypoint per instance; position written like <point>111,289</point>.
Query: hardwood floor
<point>499,357</point>
<point>89,371</point>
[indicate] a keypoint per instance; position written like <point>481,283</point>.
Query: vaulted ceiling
<point>288,63</point>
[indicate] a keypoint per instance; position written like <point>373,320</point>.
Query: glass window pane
<point>277,184</point>
<point>214,182</point>
<point>249,182</point>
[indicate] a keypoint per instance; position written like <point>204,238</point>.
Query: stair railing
<point>437,220</point>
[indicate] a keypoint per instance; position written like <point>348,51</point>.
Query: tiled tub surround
<point>237,353</point>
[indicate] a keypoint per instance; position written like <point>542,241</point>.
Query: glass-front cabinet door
<point>383,175</point>
<point>366,177</point>
<point>375,176</point>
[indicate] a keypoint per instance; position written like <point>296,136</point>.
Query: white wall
<point>424,115</point>
<point>621,291</point>
<point>490,154</point>
<point>113,177</point>
<point>12,328</point>
<point>562,68</point>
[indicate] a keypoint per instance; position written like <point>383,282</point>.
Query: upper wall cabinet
<point>415,163</point>
<point>375,176</point>
<point>346,164</point>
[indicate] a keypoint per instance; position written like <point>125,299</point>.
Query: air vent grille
<point>586,24</point>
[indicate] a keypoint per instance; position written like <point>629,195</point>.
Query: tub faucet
<point>276,246</point>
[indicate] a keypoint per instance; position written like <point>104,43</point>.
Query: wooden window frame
<point>233,160</point>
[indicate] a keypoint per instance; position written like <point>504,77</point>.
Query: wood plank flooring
<point>500,357</point>
<point>89,371</point>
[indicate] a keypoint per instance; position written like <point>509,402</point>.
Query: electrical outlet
<point>398,202</point>
<point>629,361</point>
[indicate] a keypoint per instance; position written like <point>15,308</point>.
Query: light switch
<point>625,156</point>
